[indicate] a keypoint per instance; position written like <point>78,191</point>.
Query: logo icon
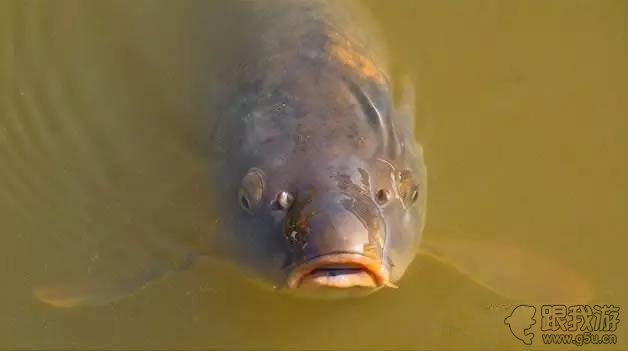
<point>520,321</point>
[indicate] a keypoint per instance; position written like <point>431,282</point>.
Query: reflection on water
<point>521,109</point>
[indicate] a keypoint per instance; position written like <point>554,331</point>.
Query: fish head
<point>323,185</point>
<point>329,228</point>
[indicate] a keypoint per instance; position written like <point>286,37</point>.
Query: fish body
<point>320,183</point>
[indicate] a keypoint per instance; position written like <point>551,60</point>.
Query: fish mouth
<point>339,271</point>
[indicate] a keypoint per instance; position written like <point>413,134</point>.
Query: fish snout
<point>338,243</point>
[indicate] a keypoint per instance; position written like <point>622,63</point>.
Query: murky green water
<point>522,110</point>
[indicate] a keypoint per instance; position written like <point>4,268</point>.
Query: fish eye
<point>251,190</point>
<point>284,200</point>
<point>408,188</point>
<point>244,202</point>
<point>382,196</point>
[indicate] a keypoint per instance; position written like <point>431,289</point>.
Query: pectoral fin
<point>511,272</point>
<point>104,289</point>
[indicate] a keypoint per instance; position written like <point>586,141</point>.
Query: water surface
<point>521,108</point>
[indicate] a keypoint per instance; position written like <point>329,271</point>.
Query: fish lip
<point>377,271</point>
